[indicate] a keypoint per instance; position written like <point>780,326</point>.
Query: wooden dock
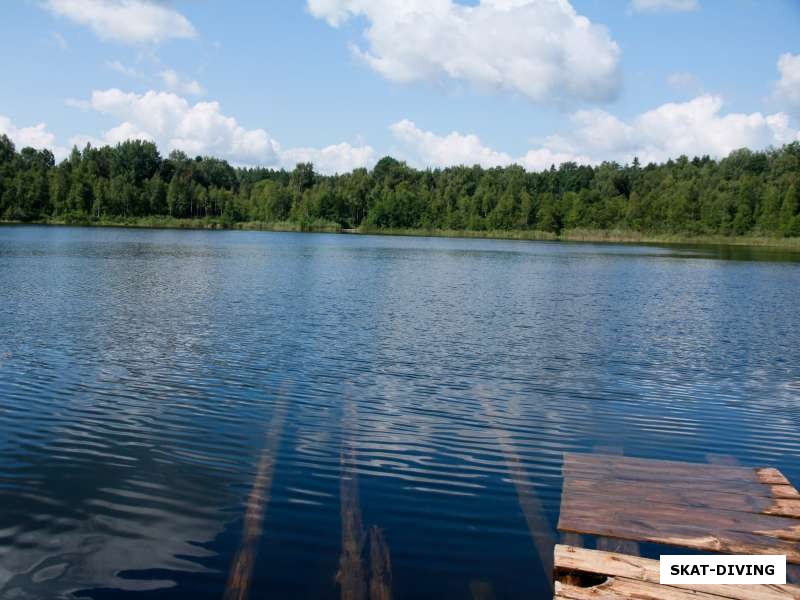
<point>716,508</point>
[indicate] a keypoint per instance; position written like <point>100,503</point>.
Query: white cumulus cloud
<point>664,5</point>
<point>541,49</point>
<point>452,149</point>
<point>693,128</point>
<point>337,158</point>
<point>126,21</point>
<point>787,89</point>
<point>176,83</point>
<point>426,148</point>
<point>201,128</point>
<point>175,123</point>
<point>36,136</point>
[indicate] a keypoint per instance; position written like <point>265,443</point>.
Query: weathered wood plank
<point>572,559</point>
<point>570,592</point>
<point>748,489</point>
<point>621,588</point>
<point>697,538</point>
<point>655,475</point>
<point>615,544</point>
<point>614,506</point>
<point>625,467</point>
<point>789,492</point>
<point>682,496</point>
<point>724,479</point>
<point>772,476</point>
<point>658,466</point>
<point>718,507</point>
<point>612,509</point>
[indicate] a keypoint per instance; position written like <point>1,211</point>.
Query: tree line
<point>745,193</point>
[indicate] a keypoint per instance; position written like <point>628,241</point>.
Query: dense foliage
<point>746,193</point>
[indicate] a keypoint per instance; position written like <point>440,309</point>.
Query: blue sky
<point>434,82</point>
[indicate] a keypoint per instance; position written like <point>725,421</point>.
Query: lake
<point>154,384</point>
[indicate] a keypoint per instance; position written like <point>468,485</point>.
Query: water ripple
<point>140,372</point>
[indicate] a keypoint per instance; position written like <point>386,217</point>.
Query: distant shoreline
<point>574,235</point>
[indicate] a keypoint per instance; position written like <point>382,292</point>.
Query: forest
<point>745,193</point>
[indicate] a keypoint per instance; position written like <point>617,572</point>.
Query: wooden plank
<point>772,476</point>
<point>655,475</point>
<point>572,559</point>
<point>620,508</point>
<point>615,544</point>
<point>722,508</point>
<point>568,592</point>
<point>658,466</point>
<point>695,537</point>
<point>603,466</point>
<point>719,507</point>
<point>788,492</point>
<point>744,488</point>
<point>666,470</point>
<point>628,589</point>
<point>620,588</point>
<point>749,488</point>
<point>734,480</point>
<point>681,496</point>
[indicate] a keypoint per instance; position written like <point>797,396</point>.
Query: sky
<point>342,83</point>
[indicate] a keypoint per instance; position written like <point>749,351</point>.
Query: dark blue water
<point>148,379</point>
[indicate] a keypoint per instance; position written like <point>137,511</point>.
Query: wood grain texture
<point>621,588</point>
<point>569,559</point>
<point>683,496</point>
<point>615,544</point>
<point>715,507</point>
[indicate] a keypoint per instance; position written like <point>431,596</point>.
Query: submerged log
<point>380,562</point>
<point>352,574</point>
<point>539,527</point>
<point>355,579</point>
<point>241,573</point>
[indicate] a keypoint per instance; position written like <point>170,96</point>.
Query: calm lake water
<point>149,378</point>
